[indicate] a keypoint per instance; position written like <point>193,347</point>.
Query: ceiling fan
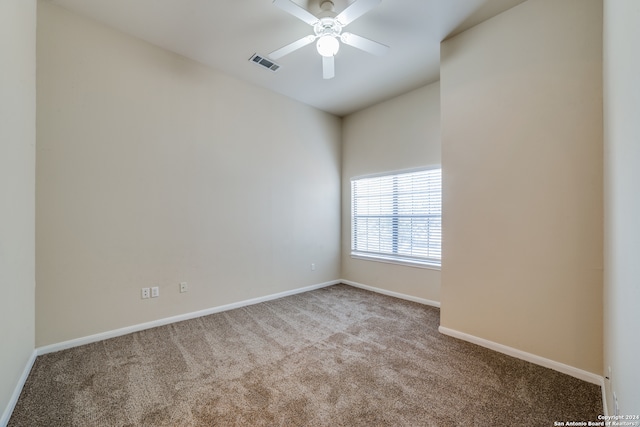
<point>327,28</point>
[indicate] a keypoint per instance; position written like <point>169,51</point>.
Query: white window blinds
<point>398,217</point>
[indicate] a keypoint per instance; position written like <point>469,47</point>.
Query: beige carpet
<point>337,356</point>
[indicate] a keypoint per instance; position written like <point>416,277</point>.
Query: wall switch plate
<point>155,292</point>
<point>145,293</point>
<point>183,287</point>
<point>313,267</point>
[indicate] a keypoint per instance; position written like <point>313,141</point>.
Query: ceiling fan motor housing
<point>327,27</point>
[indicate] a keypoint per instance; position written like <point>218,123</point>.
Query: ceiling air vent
<point>264,62</point>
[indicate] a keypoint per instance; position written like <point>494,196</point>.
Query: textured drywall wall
<point>622,204</point>
<point>154,170</point>
<point>17,192</point>
<point>521,99</point>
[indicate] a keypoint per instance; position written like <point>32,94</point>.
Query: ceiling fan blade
<point>297,11</point>
<point>356,10</point>
<point>328,67</point>
<point>279,53</point>
<point>363,43</point>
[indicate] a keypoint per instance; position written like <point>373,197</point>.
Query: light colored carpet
<point>337,356</point>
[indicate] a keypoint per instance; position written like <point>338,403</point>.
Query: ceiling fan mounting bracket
<point>326,5</point>
<point>327,9</point>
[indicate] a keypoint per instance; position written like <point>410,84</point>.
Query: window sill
<point>399,261</point>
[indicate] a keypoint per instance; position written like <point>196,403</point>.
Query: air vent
<point>264,62</point>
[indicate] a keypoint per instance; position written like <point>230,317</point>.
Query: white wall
<point>17,193</point>
<point>622,207</point>
<point>522,181</point>
<point>153,169</point>
<point>401,133</point>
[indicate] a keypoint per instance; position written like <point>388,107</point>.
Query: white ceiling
<point>225,33</point>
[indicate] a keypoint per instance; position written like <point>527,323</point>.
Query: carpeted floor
<point>337,356</point>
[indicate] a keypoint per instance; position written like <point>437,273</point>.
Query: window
<point>397,217</point>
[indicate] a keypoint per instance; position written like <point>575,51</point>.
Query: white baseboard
<point>391,293</point>
<point>16,392</point>
<point>538,360</point>
<point>167,320</point>
<point>52,348</point>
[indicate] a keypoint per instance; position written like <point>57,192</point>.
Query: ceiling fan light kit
<point>328,31</point>
<point>328,46</point>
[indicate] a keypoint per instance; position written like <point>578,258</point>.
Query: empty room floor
<point>337,356</point>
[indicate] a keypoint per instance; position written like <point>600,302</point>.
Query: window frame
<point>420,262</point>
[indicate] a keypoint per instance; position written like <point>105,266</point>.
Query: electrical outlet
<point>155,292</point>
<point>145,293</point>
<point>183,287</point>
